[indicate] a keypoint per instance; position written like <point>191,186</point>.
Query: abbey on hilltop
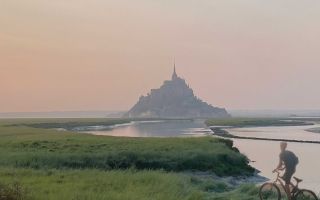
<point>174,99</point>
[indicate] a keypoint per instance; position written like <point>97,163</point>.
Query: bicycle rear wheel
<point>269,191</point>
<point>305,195</point>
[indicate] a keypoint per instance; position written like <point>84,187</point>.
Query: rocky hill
<point>174,99</point>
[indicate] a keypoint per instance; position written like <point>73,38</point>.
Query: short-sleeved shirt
<point>289,159</point>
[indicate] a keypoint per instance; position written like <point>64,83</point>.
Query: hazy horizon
<point>102,55</point>
<point>116,114</point>
<point>120,113</point>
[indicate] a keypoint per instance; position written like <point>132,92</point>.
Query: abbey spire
<point>174,75</point>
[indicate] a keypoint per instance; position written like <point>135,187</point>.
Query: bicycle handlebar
<point>278,173</point>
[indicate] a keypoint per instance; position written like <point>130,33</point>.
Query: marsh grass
<point>50,164</point>
<point>38,148</point>
<point>96,184</point>
<point>121,185</point>
<point>13,191</point>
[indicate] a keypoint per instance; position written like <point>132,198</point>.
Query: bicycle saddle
<point>297,179</point>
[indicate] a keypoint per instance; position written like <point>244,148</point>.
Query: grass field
<point>51,164</point>
<point>117,185</point>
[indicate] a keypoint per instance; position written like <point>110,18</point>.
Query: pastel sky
<point>60,55</point>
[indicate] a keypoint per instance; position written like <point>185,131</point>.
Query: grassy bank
<point>252,122</point>
<point>96,184</point>
<point>67,124</point>
<point>314,130</point>
<point>219,127</point>
<point>23,146</point>
<point>67,165</point>
<point>117,185</point>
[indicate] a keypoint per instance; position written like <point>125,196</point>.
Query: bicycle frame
<point>294,189</point>
<point>294,193</point>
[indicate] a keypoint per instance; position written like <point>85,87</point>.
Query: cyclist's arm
<point>279,167</point>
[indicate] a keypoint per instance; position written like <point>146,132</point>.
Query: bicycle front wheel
<point>269,191</point>
<point>306,195</point>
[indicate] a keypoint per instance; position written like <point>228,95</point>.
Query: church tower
<point>174,75</point>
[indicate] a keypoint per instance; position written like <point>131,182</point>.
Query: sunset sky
<point>62,55</point>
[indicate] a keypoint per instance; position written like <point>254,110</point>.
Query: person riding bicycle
<point>290,161</point>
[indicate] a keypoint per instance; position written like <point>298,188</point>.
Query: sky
<point>65,55</point>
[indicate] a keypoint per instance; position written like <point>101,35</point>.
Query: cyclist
<point>288,161</point>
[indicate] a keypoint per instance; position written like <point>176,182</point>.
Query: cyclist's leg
<point>287,188</point>
<point>287,178</point>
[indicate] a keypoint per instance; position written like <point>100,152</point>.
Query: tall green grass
<point>119,185</point>
<point>50,164</point>
<point>47,148</point>
<point>100,185</point>
<point>13,191</point>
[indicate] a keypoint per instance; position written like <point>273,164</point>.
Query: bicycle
<point>271,190</point>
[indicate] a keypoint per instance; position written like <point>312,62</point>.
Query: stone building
<point>174,99</point>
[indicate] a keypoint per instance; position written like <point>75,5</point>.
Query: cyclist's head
<point>283,146</point>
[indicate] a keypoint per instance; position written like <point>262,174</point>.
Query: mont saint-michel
<point>174,99</point>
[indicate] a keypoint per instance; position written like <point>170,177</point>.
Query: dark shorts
<point>288,175</point>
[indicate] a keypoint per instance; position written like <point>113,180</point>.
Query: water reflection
<point>165,128</point>
<point>264,153</point>
<point>277,132</point>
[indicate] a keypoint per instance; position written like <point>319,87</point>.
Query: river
<point>158,128</point>
<point>264,153</point>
